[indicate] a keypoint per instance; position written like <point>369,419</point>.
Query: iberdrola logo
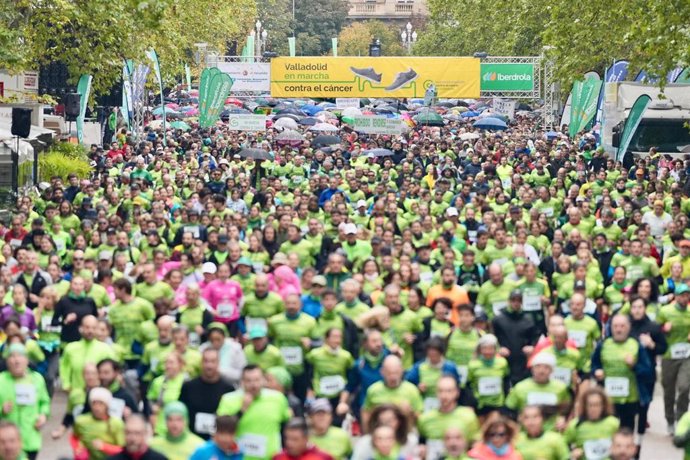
<point>489,76</point>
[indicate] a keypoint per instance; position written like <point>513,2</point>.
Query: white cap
<point>361,203</point>
<point>452,211</point>
<point>209,267</point>
<point>546,359</point>
<point>100,394</point>
<point>350,229</point>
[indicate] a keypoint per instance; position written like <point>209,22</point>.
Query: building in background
<point>398,11</point>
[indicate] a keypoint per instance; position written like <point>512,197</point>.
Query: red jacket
<point>311,453</point>
<point>481,451</point>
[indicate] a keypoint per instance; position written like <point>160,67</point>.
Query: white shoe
<point>670,429</point>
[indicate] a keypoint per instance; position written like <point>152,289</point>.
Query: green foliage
<point>317,22</point>
<point>276,18</point>
<point>62,159</point>
<point>354,39</point>
<point>96,36</point>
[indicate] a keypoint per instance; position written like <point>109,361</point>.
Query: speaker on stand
<point>72,108</point>
<point>21,127</point>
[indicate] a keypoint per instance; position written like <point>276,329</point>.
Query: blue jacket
<point>210,451</point>
<point>414,375</point>
<point>311,306</point>
<point>362,376</point>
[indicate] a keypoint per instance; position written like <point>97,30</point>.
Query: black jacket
<point>82,307</point>
<point>40,280</point>
<point>150,454</point>
<point>515,330</point>
<point>647,326</point>
<point>350,338</point>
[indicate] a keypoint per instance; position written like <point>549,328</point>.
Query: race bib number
<point>498,307</point>
<point>194,339</point>
<point>25,394</point>
<point>256,322</point>
<point>253,445</point>
<point>472,235</point>
<point>15,243</point>
<point>507,182</point>
<point>597,449</point>
<point>154,364</point>
<point>617,387</point>
<point>635,272</point>
<point>331,385</point>
<point>426,277</point>
<point>548,212</point>
<point>462,372</point>
<point>563,374</point>
<point>193,229</point>
<point>501,261</point>
<point>579,337</point>
<point>116,408</point>
<point>292,355</point>
<point>60,245</point>
<point>531,303</point>
<point>204,423</point>
<point>680,351</point>
<point>225,310</point>
<point>434,449</point>
<point>541,398</point>
<point>431,404</point>
<point>489,386</point>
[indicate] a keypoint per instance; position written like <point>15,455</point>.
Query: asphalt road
<point>657,445</point>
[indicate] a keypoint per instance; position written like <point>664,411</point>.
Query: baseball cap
<point>516,294</point>
<point>320,405</point>
<point>244,261</point>
<point>209,267</point>
<point>451,211</point>
<point>681,289</point>
<point>319,280</point>
<point>579,284</point>
<point>257,331</point>
<point>546,359</point>
<point>361,203</point>
<point>279,259</point>
<point>350,229</point>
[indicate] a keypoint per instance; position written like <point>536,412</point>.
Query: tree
<point>354,39</point>
<point>320,20</point>
<point>96,36</point>
<point>276,17</point>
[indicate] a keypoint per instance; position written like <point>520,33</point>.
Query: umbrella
<point>470,114</point>
<point>490,123</point>
<point>311,109</point>
<point>552,134</point>
<point>168,112</point>
<point>186,108</point>
<point>180,125</point>
<point>379,152</point>
<point>257,154</point>
<point>323,116</point>
<point>308,121</point>
<point>291,111</point>
<point>291,116</point>
<point>325,127</point>
<point>469,136</point>
<point>324,140</point>
<point>191,113</point>
<point>327,105</point>
<point>287,123</point>
<point>523,106</point>
<point>429,118</point>
<point>225,114</point>
<point>351,112</point>
<point>446,104</point>
<point>289,137</point>
<point>233,101</point>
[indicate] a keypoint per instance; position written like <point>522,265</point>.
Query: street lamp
<point>260,35</point>
<point>200,54</point>
<point>408,37</point>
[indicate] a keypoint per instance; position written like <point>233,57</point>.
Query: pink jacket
<point>289,282</point>
<point>224,298</point>
<point>481,451</point>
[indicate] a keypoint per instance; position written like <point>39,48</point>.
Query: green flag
<point>206,77</point>
<point>574,104</point>
<point>292,46</point>
<point>84,89</point>
<point>684,76</point>
<point>334,45</point>
<point>151,54</point>
<point>218,91</point>
<point>631,124</point>
<point>589,101</point>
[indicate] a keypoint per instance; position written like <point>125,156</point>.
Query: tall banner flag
<point>631,124</point>
<point>574,108</point>
<point>616,72</point>
<point>218,90</point>
<point>292,45</point>
<point>84,90</point>
<point>334,45</point>
<point>151,54</point>
<point>127,106</point>
<point>139,77</point>
<point>567,110</point>
<point>188,76</point>
<point>204,85</point>
<point>684,76</point>
<point>584,103</point>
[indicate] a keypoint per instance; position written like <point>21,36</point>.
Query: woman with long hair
<point>391,416</point>
<point>589,433</point>
<point>498,436</point>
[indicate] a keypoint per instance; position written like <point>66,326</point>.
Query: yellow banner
<point>453,77</point>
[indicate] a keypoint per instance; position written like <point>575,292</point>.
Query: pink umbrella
<point>232,100</point>
<point>171,105</point>
<point>191,113</point>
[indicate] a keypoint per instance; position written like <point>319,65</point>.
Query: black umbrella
<point>324,140</point>
<point>523,106</point>
<point>379,152</point>
<point>292,111</point>
<point>225,114</point>
<point>287,115</point>
<point>308,121</point>
<point>257,154</point>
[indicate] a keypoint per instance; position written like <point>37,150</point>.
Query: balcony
<point>387,9</point>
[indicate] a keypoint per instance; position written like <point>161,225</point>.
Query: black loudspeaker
<point>21,122</point>
<point>72,106</point>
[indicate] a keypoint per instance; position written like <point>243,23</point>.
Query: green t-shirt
<point>75,356</point>
<point>461,348</point>
<point>493,299</point>
<point>29,399</point>
<point>585,332</point>
<point>404,322</point>
<point>352,310</point>
<point>682,428</point>
<point>126,319</point>
<point>433,424</point>
<point>304,250</point>
<point>177,449</point>
<point>335,442</point>
<point>163,391</point>
<point>87,429</point>
<point>266,359</point>
<point>154,291</point>
<point>287,333</point>
<point>485,378</point>
<point>677,337</point>
<point>330,370</point>
<point>265,307</point>
<point>549,395</point>
<point>548,446</point>
<point>258,431</point>
<point>620,381</point>
<point>594,437</point>
<point>406,395</point>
